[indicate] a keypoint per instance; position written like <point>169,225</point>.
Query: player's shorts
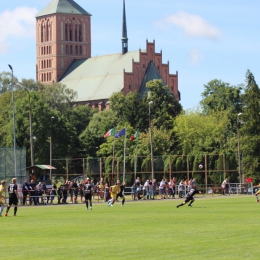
<point>13,201</point>
<point>119,195</point>
<point>113,195</point>
<point>188,198</point>
<point>88,196</point>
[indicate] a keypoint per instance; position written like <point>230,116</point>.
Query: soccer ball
<point>200,166</point>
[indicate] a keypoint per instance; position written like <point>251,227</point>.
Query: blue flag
<point>120,133</point>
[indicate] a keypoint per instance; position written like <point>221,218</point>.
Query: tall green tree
<point>250,130</point>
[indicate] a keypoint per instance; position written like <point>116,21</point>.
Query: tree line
<point>78,131</point>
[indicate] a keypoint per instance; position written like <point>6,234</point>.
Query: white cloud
<point>193,25</point>
<point>195,56</point>
<point>18,23</point>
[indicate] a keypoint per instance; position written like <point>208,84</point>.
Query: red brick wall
<point>53,63</point>
<point>133,81</point>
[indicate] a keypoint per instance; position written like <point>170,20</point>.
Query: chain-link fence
<point>7,164</point>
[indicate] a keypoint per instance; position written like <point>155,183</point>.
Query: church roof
<point>62,7</point>
<point>151,73</point>
<point>99,77</point>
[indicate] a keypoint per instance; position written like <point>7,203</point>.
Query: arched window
<point>42,31</point>
<point>78,31</point>
<point>67,49</point>
<point>50,63</point>
<point>76,50</point>
<point>71,49</point>
<point>44,77</point>
<point>48,30</point>
<point>47,76</point>
<point>68,31</point>
<point>80,50</point>
<point>44,64</point>
<point>44,50</point>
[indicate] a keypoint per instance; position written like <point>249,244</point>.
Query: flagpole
<point>113,160</point>
<point>124,156</point>
<point>136,153</point>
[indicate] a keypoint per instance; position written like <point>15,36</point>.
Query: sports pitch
<point>214,228</point>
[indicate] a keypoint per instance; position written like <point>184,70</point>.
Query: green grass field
<point>214,228</point>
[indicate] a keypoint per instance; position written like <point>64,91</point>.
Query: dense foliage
<point>78,131</point>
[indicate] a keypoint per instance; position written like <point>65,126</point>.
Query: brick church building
<point>63,39</point>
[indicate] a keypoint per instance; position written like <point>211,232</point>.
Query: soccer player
<point>256,194</point>
<point>13,197</point>
<point>2,201</point>
<point>121,194</point>
<point>88,190</point>
<point>189,197</point>
<point>114,190</point>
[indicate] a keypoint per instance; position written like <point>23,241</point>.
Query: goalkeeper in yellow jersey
<point>256,194</point>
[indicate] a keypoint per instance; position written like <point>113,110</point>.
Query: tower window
<point>76,50</point>
<point>67,49</point>
<point>71,49</point>
<point>80,50</point>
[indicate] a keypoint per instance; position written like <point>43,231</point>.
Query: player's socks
<point>1,210</point>
<point>123,202</point>
<point>7,209</point>
<point>15,210</point>
<point>179,205</point>
<point>87,205</point>
<point>90,207</point>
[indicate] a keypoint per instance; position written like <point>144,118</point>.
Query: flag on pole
<point>122,132</point>
<point>134,136</point>
<point>111,132</point>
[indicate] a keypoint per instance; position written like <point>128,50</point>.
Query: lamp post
<point>151,139</point>
<point>15,163</point>
<point>30,122</point>
<point>51,147</point>
<point>238,148</point>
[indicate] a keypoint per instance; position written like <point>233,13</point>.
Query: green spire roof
<point>62,7</point>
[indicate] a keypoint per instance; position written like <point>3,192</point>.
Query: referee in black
<point>13,197</point>
<point>189,197</point>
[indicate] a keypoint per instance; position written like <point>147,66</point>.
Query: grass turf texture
<point>214,228</point>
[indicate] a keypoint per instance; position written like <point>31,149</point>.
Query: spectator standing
<point>133,191</point>
<point>81,190</point>
<point>147,189</point>
<point>154,187</point>
<point>162,189</point>
<point>25,191</point>
<point>224,187</point>
<point>75,188</point>
<point>44,177</point>
<point>181,189</point>
<point>53,192</point>
<point>106,193</point>
<point>32,187</point>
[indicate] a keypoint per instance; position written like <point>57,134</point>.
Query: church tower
<point>63,34</point>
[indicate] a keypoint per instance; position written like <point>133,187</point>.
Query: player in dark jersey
<point>13,197</point>
<point>189,197</point>
<point>121,194</point>
<point>88,189</point>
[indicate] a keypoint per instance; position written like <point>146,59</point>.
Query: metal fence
<point>214,167</point>
<point>7,164</point>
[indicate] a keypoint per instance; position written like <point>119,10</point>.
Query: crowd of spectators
<point>73,191</point>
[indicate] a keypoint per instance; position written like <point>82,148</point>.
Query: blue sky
<point>202,40</point>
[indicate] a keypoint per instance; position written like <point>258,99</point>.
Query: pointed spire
<point>124,32</point>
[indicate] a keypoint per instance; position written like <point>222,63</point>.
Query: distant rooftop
<point>62,7</point>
